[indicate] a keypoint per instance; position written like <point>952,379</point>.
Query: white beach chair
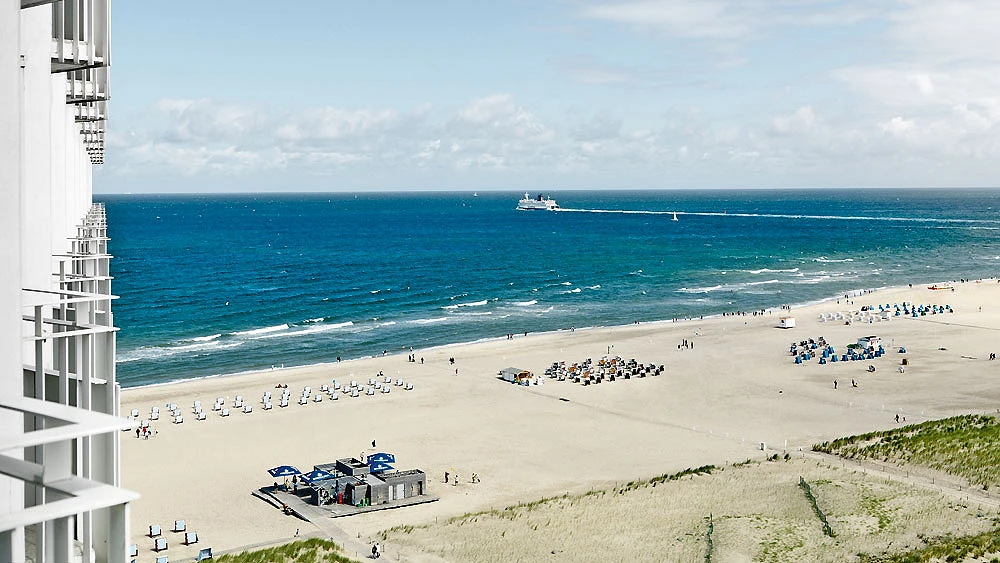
<point>387,379</point>
<point>197,406</point>
<point>154,530</point>
<point>409,387</point>
<point>178,419</point>
<point>179,526</point>
<point>307,390</point>
<point>135,413</point>
<point>371,381</point>
<point>154,410</point>
<point>378,385</point>
<point>354,393</point>
<point>205,553</point>
<point>247,409</point>
<point>284,402</point>
<point>334,396</point>
<point>385,389</point>
<point>159,544</point>
<point>200,416</point>
<point>303,400</point>
<point>267,406</point>
<point>190,538</point>
<point>238,403</point>
<point>317,398</point>
<point>335,385</point>
<point>371,391</point>
<point>133,550</point>
<point>174,407</point>
<point>354,384</point>
<point>216,407</point>
<point>225,412</point>
<point>162,559</point>
<point>399,382</point>
<point>324,388</point>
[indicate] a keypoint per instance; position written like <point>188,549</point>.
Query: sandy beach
<point>716,402</point>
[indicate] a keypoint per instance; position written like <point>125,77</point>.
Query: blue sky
<point>221,96</point>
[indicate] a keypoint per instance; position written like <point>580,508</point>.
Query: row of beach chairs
<point>160,543</point>
<point>239,404</point>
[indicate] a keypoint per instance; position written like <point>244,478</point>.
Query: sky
<point>331,95</point>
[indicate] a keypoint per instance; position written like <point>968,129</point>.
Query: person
<point>446,475</point>
<point>854,383</point>
<point>376,552</point>
<point>897,417</point>
<point>296,532</point>
<point>421,360</point>
<point>373,443</point>
<point>834,383</point>
<point>456,480</point>
<point>456,371</point>
<point>136,432</point>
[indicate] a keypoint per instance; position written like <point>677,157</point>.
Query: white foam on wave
<point>598,286</point>
<point>525,303</point>
<point>770,271</point>
<point>825,260</point>
<point>428,321</point>
<point>264,330</point>
<point>159,352</point>
<point>565,283</point>
<point>208,338</point>
<point>574,290</point>
<point>316,320</point>
<point>476,314</point>
<point>473,304</point>
<point>306,331</point>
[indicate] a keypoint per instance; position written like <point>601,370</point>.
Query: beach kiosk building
<point>59,406</point>
<point>869,342</point>
<point>786,322</point>
<point>515,375</point>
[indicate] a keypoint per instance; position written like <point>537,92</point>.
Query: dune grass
<point>967,446</point>
<point>312,550</point>
<point>758,513</point>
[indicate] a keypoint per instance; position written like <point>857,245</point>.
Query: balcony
<point>80,34</point>
<point>87,85</point>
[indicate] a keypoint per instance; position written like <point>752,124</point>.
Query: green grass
<point>819,513</point>
<point>312,550</point>
<point>967,446</point>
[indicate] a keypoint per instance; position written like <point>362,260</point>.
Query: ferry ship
<point>540,203</point>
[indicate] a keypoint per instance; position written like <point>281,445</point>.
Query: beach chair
<point>225,412</point>
<point>336,386</point>
<point>387,379</point>
<point>178,419</point>
<point>378,385</point>
<point>303,400</point>
<point>200,416</point>
<point>307,390</point>
<point>238,403</point>
<point>317,398</point>
<point>267,406</point>
<point>385,389</point>
<point>334,396</point>
<point>197,406</point>
<point>399,383</point>
<point>409,386</point>
<point>190,538</point>
<point>371,381</point>
<point>324,388</point>
<point>179,526</point>
<point>247,409</point>
<point>216,407</point>
<point>135,413</point>
<point>160,544</point>
<point>354,393</point>
<point>154,530</point>
<point>162,559</point>
<point>205,553</point>
<point>354,384</point>
<point>371,391</point>
<point>284,402</point>
<point>133,550</point>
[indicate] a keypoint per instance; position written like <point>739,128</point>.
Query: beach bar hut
<point>786,322</point>
<point>869,342</point>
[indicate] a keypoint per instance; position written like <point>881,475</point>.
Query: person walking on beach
<point>446,474</point>
<point>834,383</point>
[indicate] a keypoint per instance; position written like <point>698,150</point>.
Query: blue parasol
<point>316,475</point>
<point>379,466</point>
<point>283,471</point>
<point>383,457</point>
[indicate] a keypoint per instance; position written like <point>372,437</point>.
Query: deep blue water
<point>214,284</point>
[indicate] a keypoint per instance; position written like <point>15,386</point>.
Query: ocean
<point>218,284</point>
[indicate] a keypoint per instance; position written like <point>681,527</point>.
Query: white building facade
<point>60,499</point>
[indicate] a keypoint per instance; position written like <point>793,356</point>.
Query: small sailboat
<point>675,216</point>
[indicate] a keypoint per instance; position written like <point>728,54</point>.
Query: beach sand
<point>716,403</point>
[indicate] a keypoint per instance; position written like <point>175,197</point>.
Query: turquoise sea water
<point>214,284</point>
